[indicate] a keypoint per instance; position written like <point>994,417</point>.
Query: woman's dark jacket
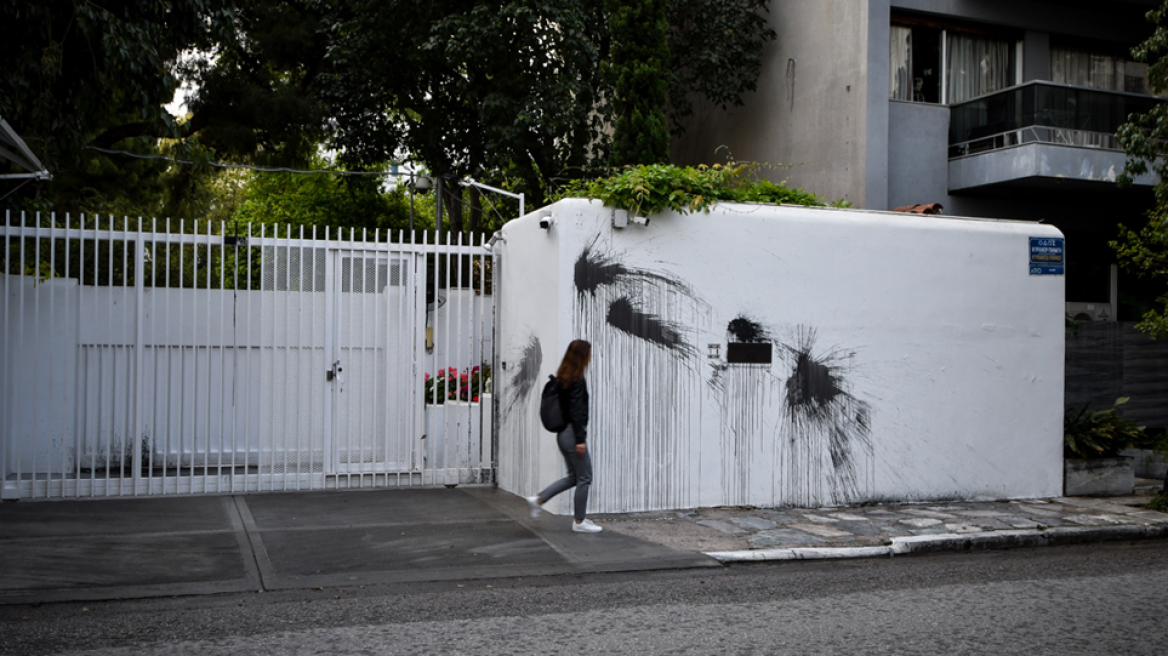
<point>575,404</point>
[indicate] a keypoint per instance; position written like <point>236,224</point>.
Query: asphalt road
<point>1091,599</point>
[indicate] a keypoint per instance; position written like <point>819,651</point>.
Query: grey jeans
<point>579,473</point>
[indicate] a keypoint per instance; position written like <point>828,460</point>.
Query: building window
<point>933,64</point>
<point>1084,68</point>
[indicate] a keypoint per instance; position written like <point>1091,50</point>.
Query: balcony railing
<point>1042,112</point>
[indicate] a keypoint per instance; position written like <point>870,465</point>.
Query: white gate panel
<point>139,362</point>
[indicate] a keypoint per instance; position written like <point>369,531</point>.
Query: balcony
<point>1040,134</point>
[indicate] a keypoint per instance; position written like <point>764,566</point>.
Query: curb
<point>901,546</point>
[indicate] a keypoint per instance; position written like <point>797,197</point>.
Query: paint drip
<point>821,411</point>
<point>527,374</point>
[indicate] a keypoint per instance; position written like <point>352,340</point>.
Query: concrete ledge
<point>1098,477</point>
<point>954,542</point>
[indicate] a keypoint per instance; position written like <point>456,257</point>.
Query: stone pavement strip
<point>751,534</point>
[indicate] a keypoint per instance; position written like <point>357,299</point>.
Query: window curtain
<point>900,63</point>
<point>1081,68</point>
<point>976,66</point>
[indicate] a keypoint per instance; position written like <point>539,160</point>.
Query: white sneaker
<point>586,526</point>
<point>533,504</point>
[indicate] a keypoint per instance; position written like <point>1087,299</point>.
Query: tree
<point>715,52</point>
<point>640,81</point>
<point>471,88</point>
<point>77,74</point>
<point>257,99</point>
<point>514,90</point>
<point>1145,138</point>
<point>326,200</point>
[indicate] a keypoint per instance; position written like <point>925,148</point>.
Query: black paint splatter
<point>745,331</point>
<point>594,270</point>
<point>819,405</point>
<point>527,374</point>
<point>813,385</point>
<point>624,317</point>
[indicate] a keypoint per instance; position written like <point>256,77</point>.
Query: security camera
<point>546,222</point>
<point>641,220</point>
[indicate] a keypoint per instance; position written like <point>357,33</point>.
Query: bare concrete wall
<point>810,110</point>
<point>918,158</point>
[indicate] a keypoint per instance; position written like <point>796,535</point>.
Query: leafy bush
<point>453,385</point>
<point>1159,502</point>
<point>649,189</point>
<point>1099,434</point>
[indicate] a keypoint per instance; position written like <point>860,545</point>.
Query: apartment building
<point>992,108</point>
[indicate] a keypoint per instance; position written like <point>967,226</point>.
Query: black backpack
<point>551,410</point>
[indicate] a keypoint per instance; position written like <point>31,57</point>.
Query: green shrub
<point>1159,502</point>
<point>649,189</point>
<point>1099,434</point>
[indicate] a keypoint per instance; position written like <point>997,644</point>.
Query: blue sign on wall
<point>1047,256</point>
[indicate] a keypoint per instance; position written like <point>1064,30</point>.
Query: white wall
<point>913,358</point>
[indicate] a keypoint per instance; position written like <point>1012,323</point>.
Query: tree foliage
<point>78,73</point>
<point>715,52</point>
<point>637,68</point>
<point>471,88</point>
<point>510,92</point>
<point>326,200</point>
<point>258,94</point>
<point>1145,138</point>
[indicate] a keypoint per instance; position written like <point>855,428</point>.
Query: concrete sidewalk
<point>131,548</point>
<point>755,534</point>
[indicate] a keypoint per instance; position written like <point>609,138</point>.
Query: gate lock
<point>335,372</point>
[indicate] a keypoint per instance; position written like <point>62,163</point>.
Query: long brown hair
<point>575,361</point>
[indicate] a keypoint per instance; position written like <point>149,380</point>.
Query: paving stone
<point>754,523</point>
<point>930,530</point>
<point>819,519</point>
<point>1089,520</point>
<point>719,525</point>
<point>963,528</point>
<point>1017,521</point>
<point>779,516</point>
<point>784,537</point>
<point>1150,516</point>
<point>921,522</point>
<point>988,523</point>
<point>884,514</point>
<point>861,528</point>
<point>1041,512</point>
<point>922,512</point>
<point>848,517</point>
<point>979,513</point>
<point>822,531</point>
<point>687,514</point>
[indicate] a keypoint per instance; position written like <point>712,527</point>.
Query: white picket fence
<point>147,359</point>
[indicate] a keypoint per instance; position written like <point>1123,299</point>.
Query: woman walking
<point>573,439</point>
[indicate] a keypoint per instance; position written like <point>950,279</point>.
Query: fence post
<point>139,303</point>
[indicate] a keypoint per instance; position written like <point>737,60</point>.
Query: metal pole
<point>413,189</point>
<point>438,207</point>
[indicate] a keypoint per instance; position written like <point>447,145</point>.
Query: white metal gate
<point>146,362</point>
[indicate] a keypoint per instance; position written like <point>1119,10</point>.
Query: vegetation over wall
<point>649,189</point>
